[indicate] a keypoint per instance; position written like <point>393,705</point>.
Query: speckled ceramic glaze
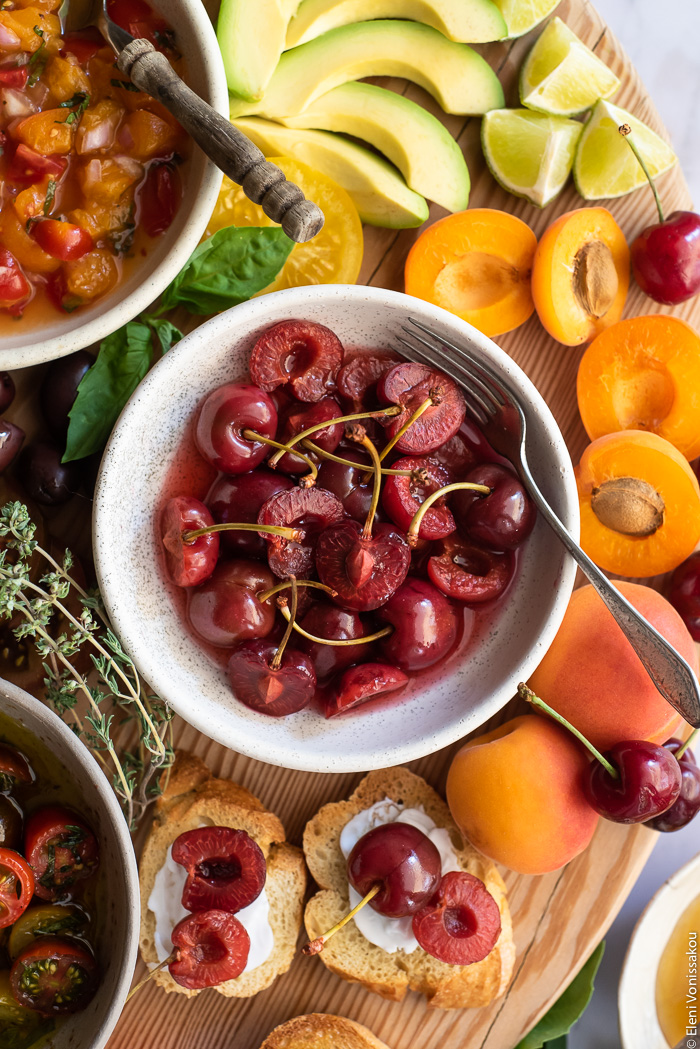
<point>442,704</point>
<point>70,332</point>
<point>118,920</point>
<point>639,1024</point>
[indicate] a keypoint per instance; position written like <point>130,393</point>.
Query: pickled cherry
<point>461,923</point>
<point>222,418</point>
<point>188,564</point>
<point>304,355</point>
<point>410,385</point>
<point>402,497</point>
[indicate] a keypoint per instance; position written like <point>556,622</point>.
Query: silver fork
<point>494,405</point>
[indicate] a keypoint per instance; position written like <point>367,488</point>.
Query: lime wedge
<point>523,15</point>
<point>561,76</point>
<point>605,166</point>
<point>528,153</point>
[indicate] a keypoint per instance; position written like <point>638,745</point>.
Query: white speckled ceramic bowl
<point>65,334</point>
<point>118,917</point>
<point>442,704</point>
<point>639,1023</point>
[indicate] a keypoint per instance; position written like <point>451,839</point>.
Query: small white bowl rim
<point>648,944</point>
<point>34,708</point>
<point>155,281</point>
<point>145,656</point>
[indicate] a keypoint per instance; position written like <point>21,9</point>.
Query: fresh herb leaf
<point>77,104</point>
<point>123,360</point>
<point>37,61</point>
<point>122,240</point>
<point>165,330</point>
<point>50,194</point>
<point>566,1010</point>
<point>126,84</point>
<point>229,268</point>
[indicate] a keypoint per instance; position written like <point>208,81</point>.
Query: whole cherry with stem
<point>635,782</point>
<point>666,256</point>
<point>413,533</point>
<point>687,805</point>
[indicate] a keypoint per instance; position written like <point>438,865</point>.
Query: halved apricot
<point>476,264</point>
<point>643,374</point>
<point>640,504</point>
<point>580,275</point>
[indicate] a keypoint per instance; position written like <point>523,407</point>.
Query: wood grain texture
<point>558,918</point>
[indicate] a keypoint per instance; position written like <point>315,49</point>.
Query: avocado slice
<point>251,56</point>
<point>411,138</point>
<point>459,78</point>
<point>380,194</point>
<point>467,21</point>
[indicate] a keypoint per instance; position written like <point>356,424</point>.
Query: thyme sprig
<point>112,694</point>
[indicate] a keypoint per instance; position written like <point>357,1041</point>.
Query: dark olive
<point>59,389</point>
<point>45,478</point>
<point>11,439</point>
<point>7,391</point>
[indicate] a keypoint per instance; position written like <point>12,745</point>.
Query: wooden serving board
<point>558,918</point>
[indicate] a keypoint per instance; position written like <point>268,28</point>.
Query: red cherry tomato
<point>29,166</point>
<point>16,886</point>
<point>159,198</point>
<point>61,849</point>
<point>14,286</point>
<point>211,947</point>
<point>54,976</point>
<point>14,768</point>
<point>225,868</point>
<point>16,77</point>
<point>83,44</point>
<point>63,240</point>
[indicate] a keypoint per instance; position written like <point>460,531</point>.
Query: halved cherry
<point>363,570</point>
<point>357,380</point>
<point>467,572</point>
<point>16,886</point>
<point>311,509</point>
<point>222,418</point>
<point>501,520</point>
<point>425,625</point>
<point>402,497</point>
<point>239,498</point>
<point>305,355</point>
<point>334,624</point>
<point>465,450</point>
<point>361,683</point>
<point>54,977</point>
<point>301,418</point>
<point>225,868</point>
<point>412,386</point>
<point>210,948</point>
<point>188,564</point>
<point>276,691</point>
<point>61,849</point>
<point>461,923</point>
<point>14,768</point>
<point>225,608</point>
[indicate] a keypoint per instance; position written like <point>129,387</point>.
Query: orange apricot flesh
<point>643,374</point>
<point>515,794</point>
<point>476,264</point>
<point>639,502</point>
<point>580,275</point>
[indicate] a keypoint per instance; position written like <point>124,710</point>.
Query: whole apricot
<point>592,675</point>
<point>516,794</point>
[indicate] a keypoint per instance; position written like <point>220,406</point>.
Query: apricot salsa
<point>89,165</point>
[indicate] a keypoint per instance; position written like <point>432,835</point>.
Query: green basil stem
<point>529,696</point>
<point>414,527</point>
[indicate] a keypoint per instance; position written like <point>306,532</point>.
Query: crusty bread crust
<point>193,798</point>
<point>322,1031</point>
<point>350,955</point>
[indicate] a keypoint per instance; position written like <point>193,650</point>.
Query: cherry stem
<point>308,480</point>
<point>688,743</point>
<point>529,696</point>
<point>317,945</point>
<point>394,409</point>
<point>323,454</point>
<point>327,641</point>
<point>265,595</point>
<point>294,534</point>
<point>626,132</point>
<point>427,403</point>
<point>359,436</point>
<point>158,968</point>
<point>414,527</point>
<point>277,658</point>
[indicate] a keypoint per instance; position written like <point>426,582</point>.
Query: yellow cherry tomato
<point>334,256</point>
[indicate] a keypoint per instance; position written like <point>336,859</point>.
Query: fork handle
<point>668,670</point>
<point>229,148</point>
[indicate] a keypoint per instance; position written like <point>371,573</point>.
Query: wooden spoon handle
<point>229,148</point>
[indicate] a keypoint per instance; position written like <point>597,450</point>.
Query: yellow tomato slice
<point>334,256</point>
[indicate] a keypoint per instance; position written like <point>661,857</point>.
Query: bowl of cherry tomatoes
<point>69,897</point>
<point>104,195</point>
<point>310,550</point>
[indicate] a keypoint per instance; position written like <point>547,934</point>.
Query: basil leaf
<point>228,268</point>
<point>123,360</point>
<point>567,1009</point>
<point>166,331</point>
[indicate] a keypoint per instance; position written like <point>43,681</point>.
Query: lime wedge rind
<point>529,154</point>
<point>523,15</point>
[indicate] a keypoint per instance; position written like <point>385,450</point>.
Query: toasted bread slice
<point>353,957</point>
<point>321,1031</point>
<point>193,798</point>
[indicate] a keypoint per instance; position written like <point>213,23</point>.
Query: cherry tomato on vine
<point>54,976</point>
<point>16,886</point>
<point>61,849</point>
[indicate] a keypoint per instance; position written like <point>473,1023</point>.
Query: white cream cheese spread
<point>392,934</point>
